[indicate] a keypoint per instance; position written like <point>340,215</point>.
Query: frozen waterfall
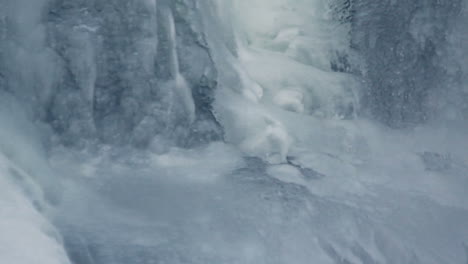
<point>233,131</point>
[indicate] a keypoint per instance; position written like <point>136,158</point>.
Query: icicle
<point>181,86</point>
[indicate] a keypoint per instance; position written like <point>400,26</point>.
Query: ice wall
<point>99,70</point>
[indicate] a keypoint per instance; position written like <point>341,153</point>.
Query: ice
<point>181,86</point>
<point>271,143</point>
<point>233,131</point>
<point>184,92</point>
<point>290,99</point>
<point>287,173</point>
<point>254,130</point>
<point>27,237</point>
<point>26,191</point>
<point>287,35</point>
<point>190,165</point>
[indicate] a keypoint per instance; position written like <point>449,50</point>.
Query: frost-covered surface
<point>243,131</point>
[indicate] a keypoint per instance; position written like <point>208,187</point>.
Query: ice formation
<point>233,131</point>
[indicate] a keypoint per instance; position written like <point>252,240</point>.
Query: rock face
<point>103,69</point>
<point>402,45</point>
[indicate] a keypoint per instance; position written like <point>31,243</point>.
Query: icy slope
<point>26,235</point>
